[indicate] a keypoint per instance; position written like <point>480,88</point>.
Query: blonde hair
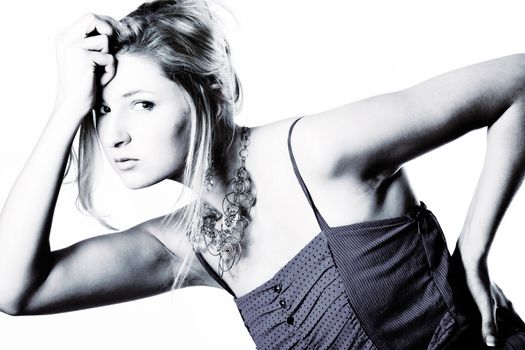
<point>187,42</point>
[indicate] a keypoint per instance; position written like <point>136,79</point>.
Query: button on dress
<point>381,284</point>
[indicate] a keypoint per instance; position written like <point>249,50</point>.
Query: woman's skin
<point>350,157</point>
<point>143,116</point>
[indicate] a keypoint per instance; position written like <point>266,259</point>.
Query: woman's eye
<point>101,110</point>
<point>143,106</point>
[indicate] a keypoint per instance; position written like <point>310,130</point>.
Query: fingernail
<point>490,340</point>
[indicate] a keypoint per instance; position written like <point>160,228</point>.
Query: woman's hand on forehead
<point>86,25</point>
<point>83,61</point>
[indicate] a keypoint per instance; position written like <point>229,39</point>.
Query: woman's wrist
<point>69,117</point>
<point>473,249</point>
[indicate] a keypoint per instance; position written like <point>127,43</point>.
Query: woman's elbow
<point>11,308</point>
<point>13,302</point>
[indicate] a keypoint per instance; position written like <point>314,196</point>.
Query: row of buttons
<point>282,302</point>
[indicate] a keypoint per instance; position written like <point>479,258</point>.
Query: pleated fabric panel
<point>304,306</point>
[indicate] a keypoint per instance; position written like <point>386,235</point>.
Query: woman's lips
<point>125,163</point>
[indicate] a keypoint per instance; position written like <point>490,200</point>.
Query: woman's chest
<point>283,221</point>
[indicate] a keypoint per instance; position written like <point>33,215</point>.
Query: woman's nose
<point>115,132</point>
<point>121,140</point>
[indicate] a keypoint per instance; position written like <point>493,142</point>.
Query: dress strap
<point>319,217</point>
<point>214,274</point>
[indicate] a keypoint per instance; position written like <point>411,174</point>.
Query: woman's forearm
<point>502,174</point>
<point>25,220</point>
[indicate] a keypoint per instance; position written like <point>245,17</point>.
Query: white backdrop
<point>293,57</point>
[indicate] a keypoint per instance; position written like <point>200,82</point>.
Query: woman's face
<point>142,122</point>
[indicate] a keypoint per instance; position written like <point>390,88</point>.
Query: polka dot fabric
<point>303,306</point>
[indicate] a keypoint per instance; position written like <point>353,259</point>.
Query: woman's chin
<point>135,180</point>
<point>137,184</point>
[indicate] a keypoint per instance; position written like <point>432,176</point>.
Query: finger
<point>489,330</point>
<point>114,23</point>
<point>100,58</point>
<point>479,284</point>
<point>499,297</point>
<point>109,73</point>
<point>101,25</point>
<point>107,61</point>
<point>87,24</point>
<point>96,43</point>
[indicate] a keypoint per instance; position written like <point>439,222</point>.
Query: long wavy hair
<point>187,42</point>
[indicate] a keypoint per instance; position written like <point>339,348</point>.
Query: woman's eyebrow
<point>128,94</point>
<point>133,92</point>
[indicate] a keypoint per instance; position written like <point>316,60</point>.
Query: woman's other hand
<point>82,49</point>
<point>479,284</point>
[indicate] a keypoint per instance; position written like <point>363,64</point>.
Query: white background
<point>294,58</point>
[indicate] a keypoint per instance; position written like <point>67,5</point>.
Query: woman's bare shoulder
<point>279,125</point>
<point>310,143</point>
<point>167,231</point>
<point>171,236</point>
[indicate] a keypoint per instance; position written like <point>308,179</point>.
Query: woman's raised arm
<point>371,139</point>
<point>26,217</point>
<point>375,136</point>
<point>98,271</point>
<point>101,270</point>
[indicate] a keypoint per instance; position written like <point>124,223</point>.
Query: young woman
<point>158,91</point>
